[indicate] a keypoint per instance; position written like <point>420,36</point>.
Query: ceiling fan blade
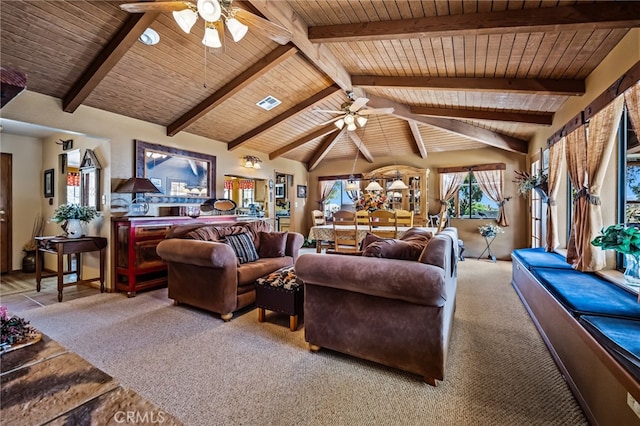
<point>328,110</point>
<point>376,111</point>
<point>275,32</point>
<point>357,104</point>
<point>331,121</point>
<point>163,6</point>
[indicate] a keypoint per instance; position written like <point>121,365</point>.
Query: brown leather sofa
<point>207,274</point>
<point>394,312</point>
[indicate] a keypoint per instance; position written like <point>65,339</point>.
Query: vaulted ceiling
<point>459,74</point>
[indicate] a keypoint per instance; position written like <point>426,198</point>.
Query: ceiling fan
<point>216,14</point>
<point>352,114</point>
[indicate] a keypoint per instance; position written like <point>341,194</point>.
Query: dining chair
<point>383,218</point>
<point>345,236</point>
<point>342,215</point>
<point>318,219</point>
<point>362,218</point>
<point>404,218</point>
<point>434,220</point>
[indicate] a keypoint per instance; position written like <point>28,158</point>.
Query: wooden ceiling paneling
<point>53,42</point>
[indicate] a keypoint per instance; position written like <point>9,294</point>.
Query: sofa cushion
<point>248,273</point>
<point>243,245</point>
<point>619,337</point>
<point>204,233</point>
<point>538,257</point>
<point>272,244</point>
<point>584,293</point>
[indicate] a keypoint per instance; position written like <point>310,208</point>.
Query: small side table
<point>488,241</point>
<point>62,246</point>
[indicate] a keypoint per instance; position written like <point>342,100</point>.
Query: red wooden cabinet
<point>137,266</point>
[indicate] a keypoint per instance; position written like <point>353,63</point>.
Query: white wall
<point>27,190</point>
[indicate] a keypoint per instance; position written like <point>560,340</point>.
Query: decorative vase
<point>632,271</point>
<point>74,228</point>
<point>29,261</point>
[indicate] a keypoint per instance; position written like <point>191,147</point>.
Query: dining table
<point>325,232</point>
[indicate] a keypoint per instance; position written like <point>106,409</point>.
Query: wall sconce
<point>252,162</point>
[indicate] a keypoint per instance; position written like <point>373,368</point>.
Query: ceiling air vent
<point>269,103</point>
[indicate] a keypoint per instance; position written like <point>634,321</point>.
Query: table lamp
<point>137,185</point>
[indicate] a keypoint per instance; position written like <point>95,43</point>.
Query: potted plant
<point>538,182</point>
<point>71,216</point>
<point>626,240</point>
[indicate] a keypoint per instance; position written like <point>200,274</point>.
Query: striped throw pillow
<point>243,245</point>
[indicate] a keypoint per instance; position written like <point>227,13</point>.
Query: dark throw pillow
<point>272,244</point>
<point>409,249</point>
<point>243,245</point>
<point>368,239</point>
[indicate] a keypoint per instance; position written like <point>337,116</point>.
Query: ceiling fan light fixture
<point>211,37</point>
<point>361,120</point>
<point>351,127</point>
<point>349,119</point>
<point>237,29</point>
<point>210,10</point>
<point>339,124</point>
<point>185,19</point>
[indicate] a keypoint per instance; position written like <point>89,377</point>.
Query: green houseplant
<point>72,216</point>
<point>626,240</point>
<point>538,182</point>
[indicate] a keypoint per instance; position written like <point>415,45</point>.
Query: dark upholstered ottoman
<point>280,291</point>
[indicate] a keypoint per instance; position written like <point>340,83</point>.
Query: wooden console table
<point>62,246</point>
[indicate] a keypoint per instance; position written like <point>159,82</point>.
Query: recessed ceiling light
<point>268,103</point>
<point>149,37</point>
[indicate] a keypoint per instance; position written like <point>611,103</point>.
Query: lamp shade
<point>137,185</point>
<point>237,29</point>
<point>373,186</point>
<point>352,186</point>
<point>185,19</point>
<point>211,37</point>
<point>398,184</point>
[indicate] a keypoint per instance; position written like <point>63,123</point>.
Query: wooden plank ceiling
<point>459,74</point>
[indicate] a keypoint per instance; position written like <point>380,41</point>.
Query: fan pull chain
<point>205,67</point>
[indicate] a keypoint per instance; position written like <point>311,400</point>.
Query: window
<point>538,206</point>
<point>471,202</point>
<point>629,177</point>
<point>339,199</point>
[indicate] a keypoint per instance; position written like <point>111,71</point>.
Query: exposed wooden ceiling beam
<point>329,128</point>
<point>460,128</point>
<point>324,149</point>
<point>323,94</point>
<point>255,71</point>
<point>360,146</point>
<point>320,56</point>
<point>545,119</point>
<point>604,15</point>
<point>527,85</point>
<point>115,49</point>
<point>417,137</point>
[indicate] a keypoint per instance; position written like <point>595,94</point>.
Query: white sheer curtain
<point>491,183</point>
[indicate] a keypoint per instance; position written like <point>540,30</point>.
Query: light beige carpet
<point>207,372</point>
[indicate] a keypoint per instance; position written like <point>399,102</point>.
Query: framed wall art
<point>48,183</point>
<point>302,191</point>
